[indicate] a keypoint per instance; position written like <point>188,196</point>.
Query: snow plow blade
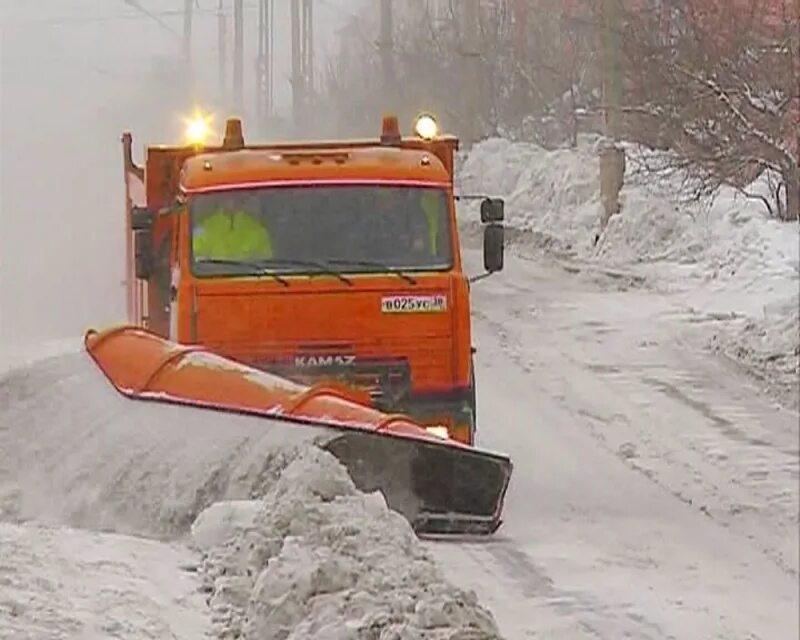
<point>441,486</point>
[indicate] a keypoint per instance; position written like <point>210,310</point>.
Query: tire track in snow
<point>728,472</point>
<point>590,549</point>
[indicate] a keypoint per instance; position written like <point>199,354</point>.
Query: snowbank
<point>544,190</point>
<point>315,558</point>
<point>18,356</point>
<point>291,549</point>
<point>557,193</point>
<point>729,258</point>
<point>57,582</point>
<point>769,347</point>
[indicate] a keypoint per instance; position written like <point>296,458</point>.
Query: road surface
<point>655,490</point>
<point>654,495</point>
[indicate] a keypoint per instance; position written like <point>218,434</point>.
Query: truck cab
<point>317,261</point>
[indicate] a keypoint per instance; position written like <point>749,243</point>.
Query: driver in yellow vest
<point>231,233</point>
<point>431,203</point>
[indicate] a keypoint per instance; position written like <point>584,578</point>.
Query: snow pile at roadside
<point>557,194</point>
<point>310,555</point>
<point>544,190</point>
<point>57,582</point>
<point>315,558</point>
<point>769,347</point>
<point>729,258</point>
<point>18,356</point>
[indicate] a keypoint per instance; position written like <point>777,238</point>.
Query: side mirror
<point>143,251</point>
<point>492,210</point>
<point>493,248</point>
<point>141,218</point>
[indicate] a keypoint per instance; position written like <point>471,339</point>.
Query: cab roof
<point>221,170</point>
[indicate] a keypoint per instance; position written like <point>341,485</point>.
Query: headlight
<point>426,127</point>
<point>198,128</point>
<point>439,432</point>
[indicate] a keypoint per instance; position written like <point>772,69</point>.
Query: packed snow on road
<point>645,386</point>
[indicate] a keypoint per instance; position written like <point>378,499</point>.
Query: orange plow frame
<point>442,486</point>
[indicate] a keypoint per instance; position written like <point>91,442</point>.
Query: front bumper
<point>453,410</point>
<point>389,385</point>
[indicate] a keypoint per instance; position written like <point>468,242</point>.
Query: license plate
<point>414,304</point>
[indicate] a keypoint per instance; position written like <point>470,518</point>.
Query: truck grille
<point>387,382</point>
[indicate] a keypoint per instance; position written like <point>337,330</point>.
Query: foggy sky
<point>75,74</point>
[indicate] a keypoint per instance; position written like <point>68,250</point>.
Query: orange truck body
<point>367,331</point>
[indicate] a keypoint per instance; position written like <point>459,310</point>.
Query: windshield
<point>320,229</point>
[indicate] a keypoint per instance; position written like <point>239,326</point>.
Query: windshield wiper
<point>308,263</point>
<point>254,268</point>
<point>380,265</point>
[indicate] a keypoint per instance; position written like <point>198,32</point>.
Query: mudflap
<point>439,488</point>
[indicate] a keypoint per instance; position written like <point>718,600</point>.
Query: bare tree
<point>713,83</point>
<point>533,89</point>
<point>717,85</point>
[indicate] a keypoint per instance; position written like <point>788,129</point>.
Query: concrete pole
<point>386,47</point>
<point>222,36</point>
<point>186,46</point>
<point>297,74</point>
<point>265,64</point>
<point>238,53</point>
<point>611,69</point>
<point>308,52</point>
<point>261,63</point>
<point>612,156</point>
<point>188,6</point>
<point>520,15</point>
<point>271,66</point>
<point>472,73</point>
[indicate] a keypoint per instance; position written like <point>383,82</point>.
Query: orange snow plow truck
<point>332,266</point>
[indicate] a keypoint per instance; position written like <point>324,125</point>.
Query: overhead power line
<point>114,17</point>
<point>137,5</point>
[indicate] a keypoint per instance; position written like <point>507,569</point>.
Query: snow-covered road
<point>655,491</point>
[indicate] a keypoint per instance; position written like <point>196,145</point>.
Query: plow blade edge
<point>441,486</point>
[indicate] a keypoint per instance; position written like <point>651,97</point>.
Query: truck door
<point>160,283</point>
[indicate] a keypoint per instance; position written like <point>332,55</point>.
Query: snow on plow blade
<point>441,486</point>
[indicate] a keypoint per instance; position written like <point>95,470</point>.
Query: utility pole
<point>520,13</point>
<point>612,156</point>
<point>302,18</point>
<point>611,70</point>
<point>386,47</point>
<point>265,63</point>
<point>297,88</point>
<point>222,35</point>
<point>472,73</point>
<point>238,53</point>
<point>308,52</point>
<point>188,6</point>
<point>187,77</point>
